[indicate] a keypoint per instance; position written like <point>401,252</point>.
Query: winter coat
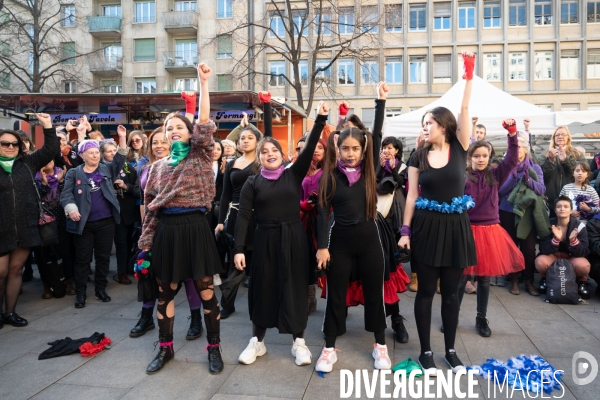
<point>579,250</point>
<point>121,169</point>
<point>558,174</point>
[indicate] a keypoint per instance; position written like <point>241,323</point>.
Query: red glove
<point>190,102</point>
<point>510,128</point>
<point>469,63</point>
<point>265,98</point>
<point>343,109</point>
<point>306,206</point>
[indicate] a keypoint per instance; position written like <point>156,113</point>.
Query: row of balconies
<point>178,22</point>
<point>174,61</point>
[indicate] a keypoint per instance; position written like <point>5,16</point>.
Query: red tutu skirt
<point>355,296</point>
<point>497,254</point>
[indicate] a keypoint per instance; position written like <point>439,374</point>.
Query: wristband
<point>510,128</point>
<point>405,230</point>
<point>265,98</point>
<point>343,110</point>
<point>574,242</point>
<point>190,102</point>
<point>469,64</point>
<point>555,242</point>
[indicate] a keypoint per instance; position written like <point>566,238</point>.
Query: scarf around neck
<point>388,167</point>
<point>352,173</point>
<point>274,174</point>
<point>179,151</point>
<point>7,163</point>
<point>52,184</point>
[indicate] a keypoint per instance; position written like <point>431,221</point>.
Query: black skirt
<point>442,240</point>
<point>184,247</point>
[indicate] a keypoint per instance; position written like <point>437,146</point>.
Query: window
<point>441,16</point>
<point>145,85</point>
<point>69,87</point>
<point>442,68</point>
<point>466,15</point>
<point>417,69</point>
<point>144,50</point>
<point>569,12</point>
<point>277,27</point>
<point>186,52</point>
<point>323,21</point>
<point>4,79</point>
<point>593,11</point>
<point>543,12</point>
<point>392,112</point>
<point>224,82</point>
<point>418,17</point>
<point>492,67</point>
<point>346,72</point>
<point>300,22</point>
<point>325,75</point>
<point>224,46</point>
<point>517,13</point>
<point>393,70</point>
<point>186,84</point>
<point>145,11</point>
<point>517,66</point>
<point>491,14</point>
<point>569,64</point>
<point>277,71</point>
<point>549,107</point>
<point>224,11</point>
<point>111,11</point>
<point>393,18</point>
<point>370,19</point>
<point>112,50</point>
<point>370,73</point>
<point>368,116</point>
<point>346,21</point>
<point>112,86</point>
<point>593,106</point>
<point>303,69</point>
<point>593,63</point>
<point>68,53</point>
<point>185,6</point>
<point>543,65</point>
<point>68,15</point>
<point>569,107</point>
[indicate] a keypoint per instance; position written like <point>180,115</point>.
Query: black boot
<point>215,363</point>
<point>543,286</point>
<point>481,324</point>
<point>145,323</point>
<point>583,290</point>
<point>165,354</point>
<point>195,330</point>
<point>399,329</point>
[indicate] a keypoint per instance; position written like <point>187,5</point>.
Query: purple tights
<point>192,296</point>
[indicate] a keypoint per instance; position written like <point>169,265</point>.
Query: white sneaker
<point>254,349</point>
<point>326,360</point>
<point>301,352</point>
<point>380,354</point>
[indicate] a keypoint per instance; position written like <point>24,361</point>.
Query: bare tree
<point>310,35</point>
<point>33,45</point>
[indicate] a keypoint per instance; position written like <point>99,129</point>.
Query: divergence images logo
<point>582,363</point>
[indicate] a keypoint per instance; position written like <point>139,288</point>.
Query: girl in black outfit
<point>279,277</point>
<point>352,244</point>
<point>236,174</point>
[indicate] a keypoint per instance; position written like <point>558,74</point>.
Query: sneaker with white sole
<point>453,361</point>
<point>301,352</point>
<point>254,349</point>
<point>380,354</point>
<point>427,364</point>
<point>326,360</point>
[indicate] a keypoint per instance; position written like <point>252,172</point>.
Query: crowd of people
<point>183,208</point>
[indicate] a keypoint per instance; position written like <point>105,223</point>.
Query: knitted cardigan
<point>190,184</point>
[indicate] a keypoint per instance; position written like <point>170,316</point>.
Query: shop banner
<point>100,119</point>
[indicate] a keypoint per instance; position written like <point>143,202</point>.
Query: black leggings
<point>483,293</point>
<point>449,285</point>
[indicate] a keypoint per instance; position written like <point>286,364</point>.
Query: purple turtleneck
<point>310,184</point>
<point>485,195</point>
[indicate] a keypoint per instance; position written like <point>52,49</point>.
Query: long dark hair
<point>586,168</point>
<point>488,177</point>
<point>445,119</point>
<point>367,169</point>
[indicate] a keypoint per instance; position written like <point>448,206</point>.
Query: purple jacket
<point>485,195</point>
<point>538,187</point>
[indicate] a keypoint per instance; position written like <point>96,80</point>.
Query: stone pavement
<point>520,324</point>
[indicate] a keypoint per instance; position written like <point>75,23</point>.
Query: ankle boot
<point>482,326</point>
<point>70,290</point>
<point>165,354</point>
<point>530,288</point>
<point>514,286</point>
<point>215,362</point>
<point>414,283</point>
<point>145,323</point>
<point>195,330</point>
<point>312,299</point>
<point>399,329</point>
<point>47,292</point>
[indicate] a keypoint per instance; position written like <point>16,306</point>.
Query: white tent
<point>489,103</point>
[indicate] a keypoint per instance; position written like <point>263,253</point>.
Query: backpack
<point>561,283</point>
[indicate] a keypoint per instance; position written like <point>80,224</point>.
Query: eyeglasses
<point>560,135</point>
<point>136,140</point>
<point>6,145</point>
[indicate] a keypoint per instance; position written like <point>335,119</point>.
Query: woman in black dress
<point>441,241</point>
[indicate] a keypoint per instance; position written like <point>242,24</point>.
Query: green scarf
<point>7,163</point>
<point>179,151</point>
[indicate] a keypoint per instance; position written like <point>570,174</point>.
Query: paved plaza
<point>521,325</point>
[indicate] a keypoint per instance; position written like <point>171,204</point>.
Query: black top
<point>443,184</point>
<point>349,202</point>
<point>276,200</point>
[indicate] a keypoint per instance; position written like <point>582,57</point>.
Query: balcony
<point>105,27</point>
<point>181,22</point>
<point>103,65</point>
<point>177,61</point>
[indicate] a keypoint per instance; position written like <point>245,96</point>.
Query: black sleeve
<point>593,230</point>
<point>131,182</point>
<point>413,161</point>
<point>377,127</point>
<point>268,119</point>
<point>244,214</point>
<point>302,164</point>
<point>137,191</point>
<point>227,191</point>
<point>43,189</point>
<point>39,158</point>
<point>323,223</point>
